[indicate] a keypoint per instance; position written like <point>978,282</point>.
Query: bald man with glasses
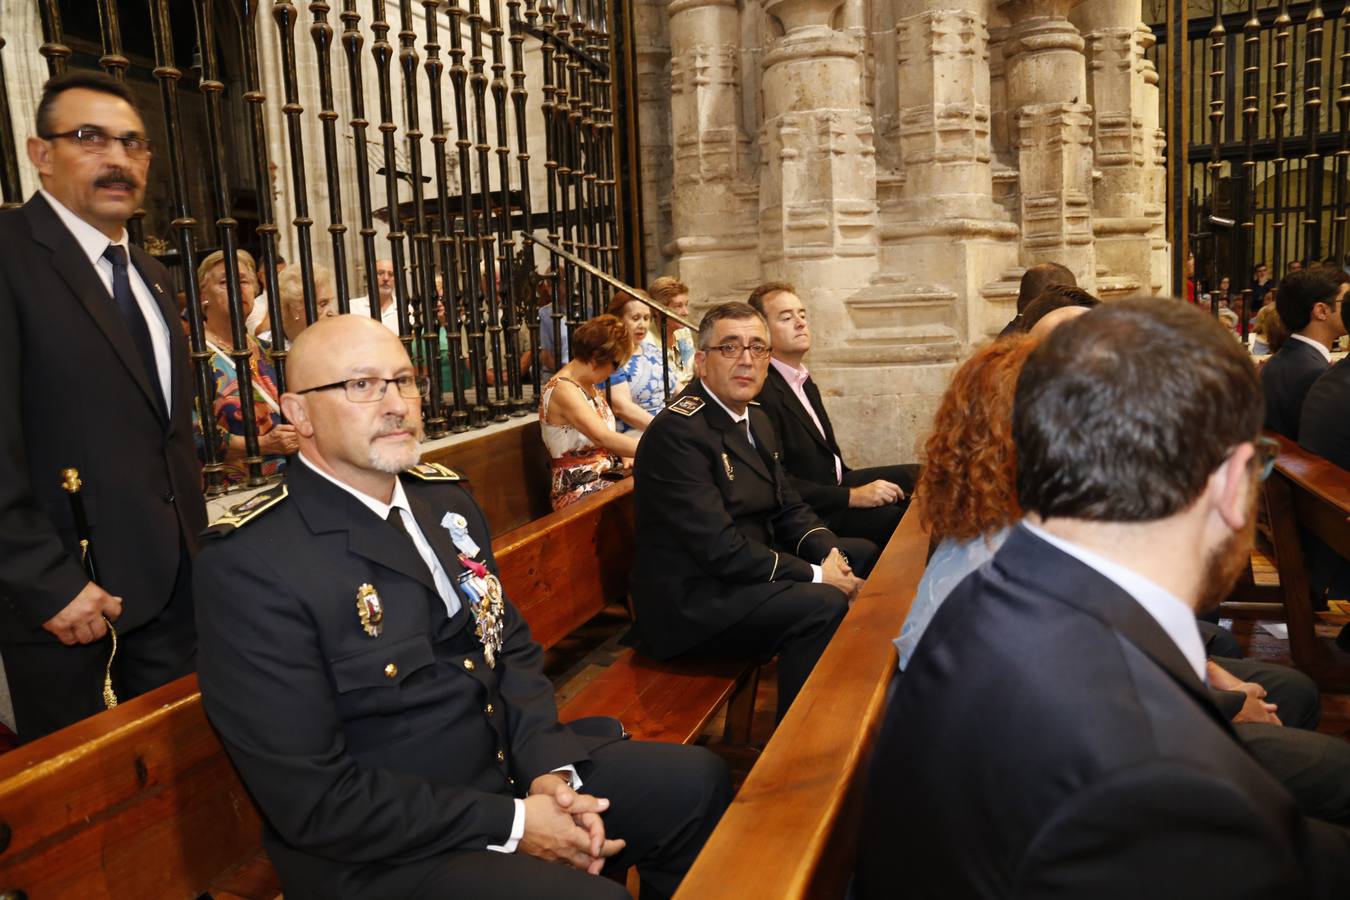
<point>730,562</point>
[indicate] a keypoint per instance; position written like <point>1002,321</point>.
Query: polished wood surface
<point>791,831</point>
<point>139,801</point>
<point>508,471</point>
<point>1310,493</point>
<point>562,569</point>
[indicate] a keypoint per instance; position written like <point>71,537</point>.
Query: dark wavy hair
<point>968,484</point>
<point>1124,413</point>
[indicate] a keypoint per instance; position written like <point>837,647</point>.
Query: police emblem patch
<point>687,405</point>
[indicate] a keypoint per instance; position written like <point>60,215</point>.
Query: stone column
<point>817,197</point>
<point>1123,90</point>
<point>1052,129</point>
<point>652,49</point>
<point>712,204</point>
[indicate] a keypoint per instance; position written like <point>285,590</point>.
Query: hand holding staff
<point>89,616</point>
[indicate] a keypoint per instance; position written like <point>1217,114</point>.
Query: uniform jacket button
<point>168,496</point>
<point>489,709</point>
<point>390,670</point>
<point>468,665</point>
<point>501,756</point>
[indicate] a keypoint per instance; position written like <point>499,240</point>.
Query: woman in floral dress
<point>638,390</point>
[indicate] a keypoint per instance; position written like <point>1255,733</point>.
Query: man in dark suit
<point>1324,429</point>
<point>1309,304</point>
<point>1052,735</point>
<point>729,560</point>
<point>859,503</point>
<point>383,699</point>
<point>94,377</point>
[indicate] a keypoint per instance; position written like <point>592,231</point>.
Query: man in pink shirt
<point>862,503</point>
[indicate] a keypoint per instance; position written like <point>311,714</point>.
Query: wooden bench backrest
<point>1321,494</point>
<point>508,470</point>
<point>141,801</point>
<point>791,832</point>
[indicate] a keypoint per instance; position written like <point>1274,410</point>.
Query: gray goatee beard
<point>392,460</point>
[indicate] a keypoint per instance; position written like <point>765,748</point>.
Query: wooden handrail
<point>791,831</point>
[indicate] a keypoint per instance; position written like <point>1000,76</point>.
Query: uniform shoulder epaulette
<point>687,405</point>
<point>431,471</point>
<point>242,513</point>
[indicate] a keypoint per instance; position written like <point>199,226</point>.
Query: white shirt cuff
<point>573,779</point>
<point>816,574</point>
<point>517,830</point>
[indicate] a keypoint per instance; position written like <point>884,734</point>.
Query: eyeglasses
<point>733,349</point>
<point>92,140</point>
<point>1267,451</point>
<point>371,388</point>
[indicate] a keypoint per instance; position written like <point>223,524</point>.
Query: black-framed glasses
<point>97,141</point>
<point>734,349</point>
<point>1267,451</point>
<point>370,388</point>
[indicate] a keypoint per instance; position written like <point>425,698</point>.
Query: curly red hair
<point>968,486</point>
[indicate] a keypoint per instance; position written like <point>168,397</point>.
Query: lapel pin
<point>370,609</point>
<point>726,464</point>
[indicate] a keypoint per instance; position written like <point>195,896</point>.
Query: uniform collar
<point>92,241</point>
<point>399,500</point>
<point>743,417</point>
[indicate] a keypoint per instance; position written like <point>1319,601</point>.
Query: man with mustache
<point>382,698</point>
<point>1052,735</point>
<point>93,376</point>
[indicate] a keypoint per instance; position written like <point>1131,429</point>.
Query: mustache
<point>116,176</point>
<point>393,425</point>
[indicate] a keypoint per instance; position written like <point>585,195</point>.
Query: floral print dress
<point>228,412</point>
<point>578,465</point>
<point>643,376</point>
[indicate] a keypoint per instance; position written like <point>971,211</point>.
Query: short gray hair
<point>291,282</point>
<point>732,310</point>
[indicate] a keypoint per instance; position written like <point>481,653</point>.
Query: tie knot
<point>116,254</point>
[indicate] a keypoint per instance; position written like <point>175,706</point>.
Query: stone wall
<point>902,162</point>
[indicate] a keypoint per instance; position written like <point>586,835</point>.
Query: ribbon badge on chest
<point>480,586</point>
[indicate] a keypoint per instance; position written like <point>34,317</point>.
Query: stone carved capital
<point>803,15</point>
<point>675,7</point>
<point>943,34</point>
<point>1042,35</point>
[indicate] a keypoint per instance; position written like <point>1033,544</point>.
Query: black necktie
<point>131,313</point>
<point>396,520</point>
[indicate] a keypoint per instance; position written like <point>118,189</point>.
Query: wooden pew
<point>141,801</point>
<point>1307,491</point>
<point>508,470</point>
<point>791,832</point>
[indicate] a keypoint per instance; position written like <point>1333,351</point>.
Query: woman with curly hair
<point>967,492</point>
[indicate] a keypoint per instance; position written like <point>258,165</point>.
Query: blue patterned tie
<point>131,314</point>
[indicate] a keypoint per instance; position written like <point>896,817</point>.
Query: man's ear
<point>700,363</point>
<point>1234,487</point>
<point>293,408</point>
<point>40,155</point>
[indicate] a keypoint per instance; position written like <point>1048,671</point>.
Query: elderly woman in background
<point>576,423</point>
<point>680,348</point>
<point>638,389</point>
<point>291,290</point>
<point>226,429</point>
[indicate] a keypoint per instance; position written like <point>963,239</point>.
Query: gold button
<point>468,665</point>
<point>489,709</point>
<point>390,670</point>
<point>501,756</point>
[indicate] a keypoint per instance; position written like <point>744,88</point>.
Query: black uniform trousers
<point>795,625</point>
<point>53,685</point>
<point>665,799</point>
<point>875,524</point>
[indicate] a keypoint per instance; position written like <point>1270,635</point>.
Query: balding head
<point>350,423</point>
<point>1053,319</point>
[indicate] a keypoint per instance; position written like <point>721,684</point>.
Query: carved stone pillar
<point>652,49</point>
<point>1123,89</point>
<point>817,198</point>
<point>1052,130</point>
<point>713,201</point>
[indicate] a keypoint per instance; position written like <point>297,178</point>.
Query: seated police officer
<point>384,701</point>
<point>729,560</point>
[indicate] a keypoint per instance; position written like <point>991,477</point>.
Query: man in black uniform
<point>729,560</point>
<point>383,700</point>
<point>862,503</point>
<point>92,377</point>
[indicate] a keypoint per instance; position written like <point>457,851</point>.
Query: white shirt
<point>796,379</point>
<point>399,501</point>
<point>1321,347</point>
<point>93,242</point>
<point>1175,618</point>
<point>360,306</point>
<point>817,574</point>
<point>257,315</point>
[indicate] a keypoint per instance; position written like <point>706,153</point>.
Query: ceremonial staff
<point>70,481</point>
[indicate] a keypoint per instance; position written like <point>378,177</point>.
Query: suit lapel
<point>777,382</point>
<point>437,536</point>
<point>69,261</point>
<point>733,436</point>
